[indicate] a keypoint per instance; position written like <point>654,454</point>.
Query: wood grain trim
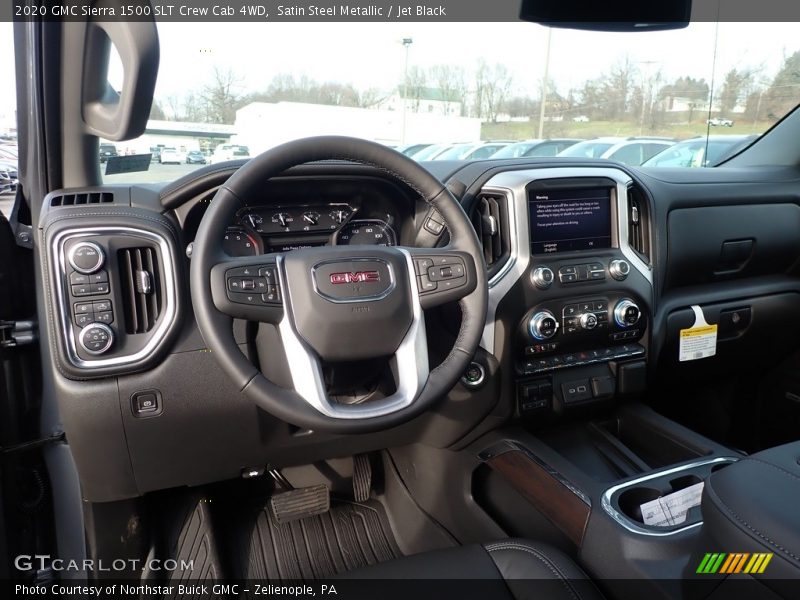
<point>562,506</point>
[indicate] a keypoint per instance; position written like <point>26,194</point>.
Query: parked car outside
<point>720,121</point>
<point>227,152</point>
<point>476,151</point>
<point>172,156</point>
<point>530,148</point>
<point>411,149</point>
<point>431,152</point>
<point>195,157</point>
<point>696,152</point>
<point>107,151</point>
<point>8,176</point>
<point>630,151</point>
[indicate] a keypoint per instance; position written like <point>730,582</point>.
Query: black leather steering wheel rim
<point>216,326</point>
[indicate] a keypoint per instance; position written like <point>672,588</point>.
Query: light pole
<point>543,100</point>
<point>407,44</point>
<point>649,83</point>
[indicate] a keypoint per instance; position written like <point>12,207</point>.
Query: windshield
<point>407,84</point>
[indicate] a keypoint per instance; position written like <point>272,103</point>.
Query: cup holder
<point>684,482</point>
<point>630,501</point>
<point>627,498</point>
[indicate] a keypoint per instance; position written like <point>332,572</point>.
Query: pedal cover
<point>362,477</point>
<point>300,503</point>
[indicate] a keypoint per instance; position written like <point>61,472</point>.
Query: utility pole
<point>407,44</point>
<point>543,95</point>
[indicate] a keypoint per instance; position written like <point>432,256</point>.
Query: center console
<point>576,298</point>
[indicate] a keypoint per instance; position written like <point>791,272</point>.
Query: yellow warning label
<point>695,331</point>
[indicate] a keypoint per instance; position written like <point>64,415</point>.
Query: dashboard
<point>593,271</point>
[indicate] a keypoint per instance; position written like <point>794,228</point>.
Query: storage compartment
<point>635,441</point>
<point>763,323</point>
<point>744,241</point>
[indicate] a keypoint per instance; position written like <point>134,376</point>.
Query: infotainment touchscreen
<point>565,220</point>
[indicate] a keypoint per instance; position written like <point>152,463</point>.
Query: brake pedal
<point>362,477</point>
<point>300,503</point>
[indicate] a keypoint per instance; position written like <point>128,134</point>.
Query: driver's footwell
<point>350,535</point>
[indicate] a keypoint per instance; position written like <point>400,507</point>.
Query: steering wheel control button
<point>424,284</point>
<point>256,285</point>
<point>627,313</point>
<point>543,325</point>
<point>542,277</point>
<point>86,257</point>
<point>619,269</point>
<point>272,295</point>
<point>433,226</point>
<point>96,338</point>
<point>440,273</point>
<point>146,403</point>
<point>474,376</point>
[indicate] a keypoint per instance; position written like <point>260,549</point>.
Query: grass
<point>593,129</point>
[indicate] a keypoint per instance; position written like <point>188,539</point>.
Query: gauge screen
<point>366,233</point>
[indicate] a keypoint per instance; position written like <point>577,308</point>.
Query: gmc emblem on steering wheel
<point>357,277</point>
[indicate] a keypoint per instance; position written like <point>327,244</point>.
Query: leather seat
<point>528,570</point>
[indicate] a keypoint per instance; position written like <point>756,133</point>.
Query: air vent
<point>80,198</point>
<point>638,223</point>
<point>141,288</point>
<point>491,224</point>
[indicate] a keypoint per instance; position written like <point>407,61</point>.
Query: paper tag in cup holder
<point>699,340</point>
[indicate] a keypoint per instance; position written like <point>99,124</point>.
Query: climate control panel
<point>576,327</point>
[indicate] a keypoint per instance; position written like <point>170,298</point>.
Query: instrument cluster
<point>264,229</point>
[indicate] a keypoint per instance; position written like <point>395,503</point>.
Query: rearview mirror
<point>610,15</point>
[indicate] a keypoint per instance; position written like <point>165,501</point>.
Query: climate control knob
<point>619,269</point>
<point>588,321</point>
<point>543,325</point>
<point>86,257</point>
<point>542,277</point>
<point>627,313</point>
<point>96,338</point>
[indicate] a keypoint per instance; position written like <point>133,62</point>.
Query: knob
<point>543,325</point>
<point>626,313</point>
<point>619,269</point>
<point>588,321</point>
<point>86,257</point>
<point>96,338</point>
<point>542,277</point>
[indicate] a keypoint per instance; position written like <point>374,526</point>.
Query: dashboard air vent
<point>82,198</point>
<point>141,286</point>
<point>491,224</point>
<point>638,223</point>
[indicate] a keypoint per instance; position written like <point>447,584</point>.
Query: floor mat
<point>347,537</point>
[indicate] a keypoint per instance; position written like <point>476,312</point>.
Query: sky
<point>372,55</point>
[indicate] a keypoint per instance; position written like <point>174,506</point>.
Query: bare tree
<point>220,97</point>
<point>452,84</point>
<point>492,88</point>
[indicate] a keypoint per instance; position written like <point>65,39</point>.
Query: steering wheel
<point>339,303</point>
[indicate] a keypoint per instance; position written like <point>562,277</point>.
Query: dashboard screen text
<point>569,220</point>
